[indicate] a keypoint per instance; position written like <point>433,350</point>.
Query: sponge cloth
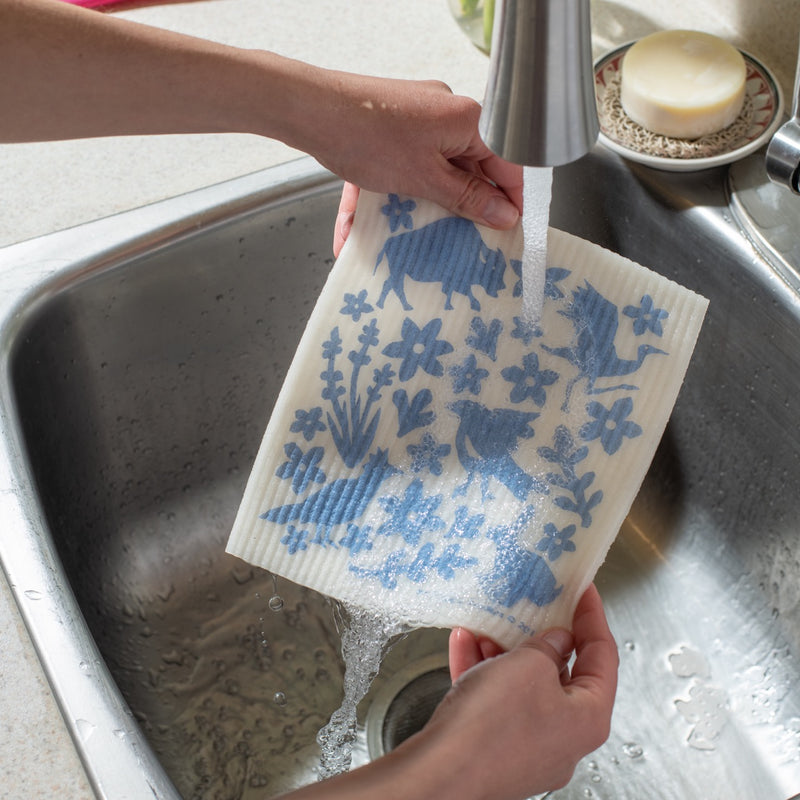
<point>436,457</point>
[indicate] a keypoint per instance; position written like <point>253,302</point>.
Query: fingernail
<point>560,640</point>
<point>345,223</point>
<point>500,213</point>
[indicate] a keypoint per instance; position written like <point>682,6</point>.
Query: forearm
<point>422,768</point>
<point>71,73</point>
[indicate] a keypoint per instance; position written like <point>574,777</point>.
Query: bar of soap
<point>683,84</point>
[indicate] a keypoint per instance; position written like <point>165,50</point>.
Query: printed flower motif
<point>551,276</point>
<point>465,526</point>
<point>555,541</point>
<point>419,348</point>
<point>646,317</point>
<point>525,331</point>
<point>426,455</point>
<point>301,467</point>
<point>399,212</point>
<point>483,337</point>
<point>357,538</point>
<point>611,426</point>
<point>529,380</point>
<point>356,305</point>
<point>295,540</point>
<point>445,565</point>
<point>412,514</point>
<point>308,422</point>
<point>468,376</point>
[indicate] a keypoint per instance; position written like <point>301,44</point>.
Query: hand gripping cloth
<point>435,457</point>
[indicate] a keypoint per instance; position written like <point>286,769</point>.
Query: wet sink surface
<point>142,355</point>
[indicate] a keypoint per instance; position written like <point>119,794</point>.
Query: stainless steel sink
<point>140,358</point>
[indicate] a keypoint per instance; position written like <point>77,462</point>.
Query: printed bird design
<point>493,435</point>
<point>342,500</point>
<point>594,353</point>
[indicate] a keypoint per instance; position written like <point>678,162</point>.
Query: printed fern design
<point>353,425</point>
<point>567,457</point>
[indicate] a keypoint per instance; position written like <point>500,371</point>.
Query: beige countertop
<point>47,187</point>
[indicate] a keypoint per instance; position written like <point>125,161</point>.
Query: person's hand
<point>345,217</point>
<point>514,724</point>
<point>84,74</point>
<point>417,138</point>
<point>517,724</point>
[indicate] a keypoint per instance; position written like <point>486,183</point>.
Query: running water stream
<point>536,195</point>
<point>365,640</point>
<point>366,636</point>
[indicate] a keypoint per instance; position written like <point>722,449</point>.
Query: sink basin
<point>140,357</point>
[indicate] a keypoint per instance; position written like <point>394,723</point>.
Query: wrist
<point>419,768</point>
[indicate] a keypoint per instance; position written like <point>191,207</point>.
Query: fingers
<point>478,159</point>
<point>597,658</point>
<point>474,197</point>
<point>344,217</point>
<point>557,644</point>
<point>467,650</point>
<point>506,175</point>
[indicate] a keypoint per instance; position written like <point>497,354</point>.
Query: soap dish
<point>758,120</point>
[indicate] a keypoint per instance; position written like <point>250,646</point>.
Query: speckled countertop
<point>47,187</point>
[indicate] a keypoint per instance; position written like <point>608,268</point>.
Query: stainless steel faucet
<point>540,108</point>
<point>783,153</point>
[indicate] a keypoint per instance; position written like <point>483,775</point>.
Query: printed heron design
<point>594,353</point>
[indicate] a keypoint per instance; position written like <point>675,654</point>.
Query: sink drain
<point>405,703</point>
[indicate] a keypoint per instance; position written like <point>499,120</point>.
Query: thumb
<point>472,196</point>
<point>556,643</point>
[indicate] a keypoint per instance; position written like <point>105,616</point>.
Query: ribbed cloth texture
<point>435,456</point>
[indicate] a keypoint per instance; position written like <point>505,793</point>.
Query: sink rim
<point>115,754</point>
<point>32,273</point>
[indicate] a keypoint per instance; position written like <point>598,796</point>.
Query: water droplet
<point>279,698</point>
<point>85,728</point>
<point>630,646</point>
<point>33,594</point>
<point>633,750</point>
<point>275,602</point>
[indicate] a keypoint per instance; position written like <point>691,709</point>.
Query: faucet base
<point>768,214</point>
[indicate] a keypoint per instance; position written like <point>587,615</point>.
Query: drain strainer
<point>405,702</point>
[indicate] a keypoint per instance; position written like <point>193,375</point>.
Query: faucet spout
<point>540,109</point>
<point>783,153</point>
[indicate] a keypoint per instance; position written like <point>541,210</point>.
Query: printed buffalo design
<point>449,251</point>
